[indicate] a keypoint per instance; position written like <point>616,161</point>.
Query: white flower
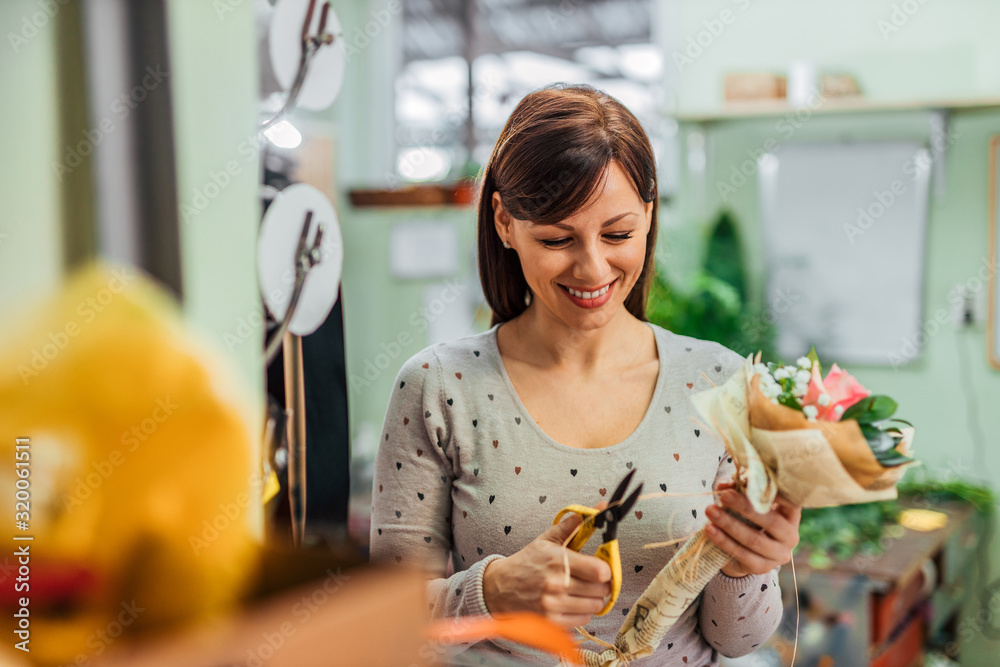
<point>802,376</point>
<point>824,399</point>
<point>839,410</point>
<point>761,369</point>
<point>804,363</point>
<point>800,390</point>
<point>782,374</point>
<point>791,370</point>
<point>774,400</point>
<point>810,412</point>
<point>771,390</point>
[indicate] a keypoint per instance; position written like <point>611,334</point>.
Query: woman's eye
<point>555,243</point>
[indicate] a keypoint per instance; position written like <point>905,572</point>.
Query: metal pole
<point>295,403</point>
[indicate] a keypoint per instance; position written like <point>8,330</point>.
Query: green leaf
<point>813,357</point>
<point>789,402</point>
<point>879,441</point>
<point>892,458</point>
<point>871,409</point>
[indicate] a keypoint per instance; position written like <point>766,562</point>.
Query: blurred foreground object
<point>357,617</point>
<point>141,485</point>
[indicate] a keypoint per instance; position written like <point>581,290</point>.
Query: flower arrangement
<point>835,398</point>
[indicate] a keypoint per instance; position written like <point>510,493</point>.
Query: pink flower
<point>835,394</point>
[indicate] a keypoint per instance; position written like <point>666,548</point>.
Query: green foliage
<point>841,532</point>
<point>983,498</point>
<point>715,307</point>
<point>724,258</point>
<point>838,533</point>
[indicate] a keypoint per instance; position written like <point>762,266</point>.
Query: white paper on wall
<point>844,231</point>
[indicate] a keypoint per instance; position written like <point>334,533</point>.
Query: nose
<point>591,263</point>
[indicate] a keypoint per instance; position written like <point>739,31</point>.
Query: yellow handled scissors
<point>608,519</point>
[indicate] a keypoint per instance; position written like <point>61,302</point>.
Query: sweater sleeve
<point>738,614</point>
<point>411,495</point>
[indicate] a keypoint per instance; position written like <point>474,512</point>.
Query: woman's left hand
<point>754,551</point>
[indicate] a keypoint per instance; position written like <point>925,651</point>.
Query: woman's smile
<point>590,298</point>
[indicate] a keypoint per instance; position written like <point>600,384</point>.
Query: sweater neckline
<point>624,444</point>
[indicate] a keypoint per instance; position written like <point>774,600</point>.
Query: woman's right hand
<point>534,579</point>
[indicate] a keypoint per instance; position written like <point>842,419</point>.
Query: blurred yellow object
<point>142,488</point>
<point>923,520</point>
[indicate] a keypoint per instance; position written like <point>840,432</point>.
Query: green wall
<point>942,50</point>
<point>31,261</point>
<point>213,48</point>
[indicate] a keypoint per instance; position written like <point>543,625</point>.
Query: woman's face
<point>581,269</point>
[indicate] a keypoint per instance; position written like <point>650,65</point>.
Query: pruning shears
<point>608,518</point>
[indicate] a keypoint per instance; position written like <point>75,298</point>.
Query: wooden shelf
<point>777,108</point>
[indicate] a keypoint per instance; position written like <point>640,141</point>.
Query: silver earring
<point>506,245</point>
<point>527,297</point>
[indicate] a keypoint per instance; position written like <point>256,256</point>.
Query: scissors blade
<point>620,491</point>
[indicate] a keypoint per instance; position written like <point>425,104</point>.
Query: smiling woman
<point>487,436</point>
<point>562,150</point>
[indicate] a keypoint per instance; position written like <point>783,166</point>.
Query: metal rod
<point>295,403</point>
<point>303,255</point>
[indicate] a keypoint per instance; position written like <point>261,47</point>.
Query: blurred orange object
<point>525,628</point>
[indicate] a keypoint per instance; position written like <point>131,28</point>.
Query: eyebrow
<point>607,222</point>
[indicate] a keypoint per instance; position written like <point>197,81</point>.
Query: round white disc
<point>276,247</point>
<point>326,69</point>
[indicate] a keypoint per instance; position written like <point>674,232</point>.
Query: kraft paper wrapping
<point>804,460</point>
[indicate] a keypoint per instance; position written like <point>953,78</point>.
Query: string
<point>659,545</point>
<point>795,585</point>
<point>566,577</point>
<point>622,658</point>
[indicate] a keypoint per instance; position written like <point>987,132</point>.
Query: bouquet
<point>820,441</point>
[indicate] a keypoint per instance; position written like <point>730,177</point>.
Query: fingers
<point>588,568</point>
<point>561,531</point>
<point>788,509</point>
<point>751,561</point>
<point>569,621</point>
<point>588,589</point>
<point>775,523</point>
<point>571,604</point>
<point>750,541</point>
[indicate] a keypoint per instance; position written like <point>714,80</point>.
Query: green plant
<point>715,306</point>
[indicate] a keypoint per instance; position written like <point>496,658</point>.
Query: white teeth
<point>588,295</point>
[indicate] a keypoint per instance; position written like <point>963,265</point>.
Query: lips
<point>592,302</point>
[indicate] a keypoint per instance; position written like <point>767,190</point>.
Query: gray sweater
<point>464,472</point>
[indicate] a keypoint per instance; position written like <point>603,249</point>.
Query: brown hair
<point>550,161</point>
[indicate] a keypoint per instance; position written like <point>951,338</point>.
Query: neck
<point>554,344</point>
